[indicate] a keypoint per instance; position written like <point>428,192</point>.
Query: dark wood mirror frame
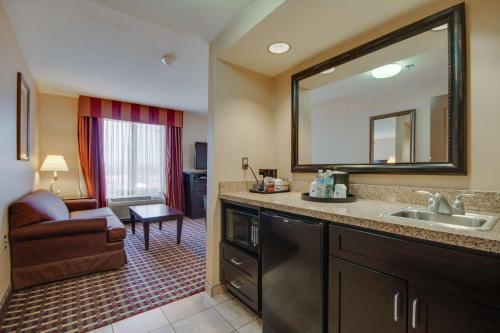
<point>457,147</point>
<point>410,113</point>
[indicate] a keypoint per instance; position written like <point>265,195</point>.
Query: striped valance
<point>106,108</point>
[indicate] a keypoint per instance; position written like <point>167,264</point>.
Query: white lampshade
<point>54,163</point>
<point>391,159</point>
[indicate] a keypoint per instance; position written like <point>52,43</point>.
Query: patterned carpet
<point>163,274</point>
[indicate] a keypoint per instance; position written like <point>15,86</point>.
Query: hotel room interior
<point>275,166</point>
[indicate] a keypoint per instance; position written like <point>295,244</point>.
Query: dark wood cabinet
<point>432,311</point>
<point>195,187</point>
<point>364,300</point>
<point>374,279</point>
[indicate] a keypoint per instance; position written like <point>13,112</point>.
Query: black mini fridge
<point>294,274</point>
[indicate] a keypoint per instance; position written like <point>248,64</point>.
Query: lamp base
<point>52,183</point>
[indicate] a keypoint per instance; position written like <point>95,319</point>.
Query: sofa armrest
<point>81,204</point>
<point>58,228</point>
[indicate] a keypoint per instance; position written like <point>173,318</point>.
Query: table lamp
<point>54,163</point>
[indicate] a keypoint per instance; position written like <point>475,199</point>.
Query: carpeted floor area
<point>163,274</point>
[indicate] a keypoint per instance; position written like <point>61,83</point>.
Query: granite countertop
<point>366,213</point>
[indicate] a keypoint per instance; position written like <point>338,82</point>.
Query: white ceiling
<point>83,47</point>
<point>203,19</point>
<point>311,27</point>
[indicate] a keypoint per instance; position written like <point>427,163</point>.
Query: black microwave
<point>242,227</point>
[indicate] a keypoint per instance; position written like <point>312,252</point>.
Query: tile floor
<point>197,313</point>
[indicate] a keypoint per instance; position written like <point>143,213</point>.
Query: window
<point>134,158</point>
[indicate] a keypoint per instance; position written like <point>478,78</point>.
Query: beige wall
<point>240,124</point>
<point>195,130</point>
<point>483,31</point>
<point>16,177</point>
<point>58,136</point>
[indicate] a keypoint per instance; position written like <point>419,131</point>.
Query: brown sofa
<point>52,239</point>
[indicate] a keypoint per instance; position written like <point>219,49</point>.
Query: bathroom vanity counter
<point>367,214</point>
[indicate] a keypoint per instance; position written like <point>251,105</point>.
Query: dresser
<point>195,188</point>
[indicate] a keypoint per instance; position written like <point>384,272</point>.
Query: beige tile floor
<point>197,313</point>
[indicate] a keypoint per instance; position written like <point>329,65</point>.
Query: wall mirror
<point>393,105</point>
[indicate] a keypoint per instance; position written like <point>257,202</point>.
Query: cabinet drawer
<point>246,291</point>
<point>242,262</point>
<point>199,186</point>
<point>470,275</point>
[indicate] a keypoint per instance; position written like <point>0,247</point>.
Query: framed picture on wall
<point>23,118</point>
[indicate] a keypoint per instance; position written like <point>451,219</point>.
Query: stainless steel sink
<point>467,221</point>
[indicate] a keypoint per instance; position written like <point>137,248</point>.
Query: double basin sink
<point>468,221</point>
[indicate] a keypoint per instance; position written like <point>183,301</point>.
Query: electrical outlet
<point>5,243</point>
<point>244,163</point>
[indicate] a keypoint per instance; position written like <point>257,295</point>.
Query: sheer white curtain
<point>134,158</point>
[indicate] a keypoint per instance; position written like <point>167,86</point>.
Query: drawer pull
<point>235,284</point>
<point>396,307</point>
<point>414,313</point>
<point>235,261</point>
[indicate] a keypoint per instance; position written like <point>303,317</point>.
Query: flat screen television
<point>200,155</point>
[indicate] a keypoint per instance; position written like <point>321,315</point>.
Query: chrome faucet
<point>437,203</point>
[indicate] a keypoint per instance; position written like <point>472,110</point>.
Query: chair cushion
<point>116,229</point>
<point>38,206</point>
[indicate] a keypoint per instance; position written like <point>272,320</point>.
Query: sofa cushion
<point>116,229</point>
<point>92,213</point>
<point>38,206</point>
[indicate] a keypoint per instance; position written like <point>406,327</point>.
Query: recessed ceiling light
<point>279,47</point>
<point>386,71</point>
<point>440,27</point>
<point>328,71</point>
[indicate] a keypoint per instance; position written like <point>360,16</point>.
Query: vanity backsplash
<point>485,201</point>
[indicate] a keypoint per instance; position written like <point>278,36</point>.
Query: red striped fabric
<point>111,109</point>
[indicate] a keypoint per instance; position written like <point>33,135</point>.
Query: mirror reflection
<point>389,106</point>
<point>392,137</point>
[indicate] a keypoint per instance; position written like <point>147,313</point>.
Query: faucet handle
<point>430,198</point>
<point>458,204</point>
<point>429,194</point>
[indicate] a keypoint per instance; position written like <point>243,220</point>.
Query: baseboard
<point>4,300</point>
<point>214,290</point>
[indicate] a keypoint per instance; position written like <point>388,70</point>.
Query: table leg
<point>160,224</point>
<point>146,234</point>
<point>180,219</point>
<point>132,222</point>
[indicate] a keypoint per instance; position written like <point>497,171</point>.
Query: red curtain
<point>175,186</point>
<point>90,146</point>
<point>92,111</point>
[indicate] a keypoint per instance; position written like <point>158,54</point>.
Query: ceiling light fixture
<point>440,27</point>
<point>279,47</point>
<point>386,71</point>
<point>168,59</point>
<point>328,71</point>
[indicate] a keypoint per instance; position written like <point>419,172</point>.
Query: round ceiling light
<point>386,71</point>
<point>328,71</point>
<point>440,27</point>
<point>279,47</point>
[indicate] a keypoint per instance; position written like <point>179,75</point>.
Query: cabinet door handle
<point>235,261</point>
<point>396,307</point>
<point>235,284</point>
<point>414,313</point>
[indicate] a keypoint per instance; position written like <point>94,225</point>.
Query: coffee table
<point>155,213</point>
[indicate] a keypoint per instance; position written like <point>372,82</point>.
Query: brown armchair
<point>51,239</point>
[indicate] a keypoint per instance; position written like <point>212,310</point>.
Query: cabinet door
<point>364,300</point>
<point>431,311</point>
